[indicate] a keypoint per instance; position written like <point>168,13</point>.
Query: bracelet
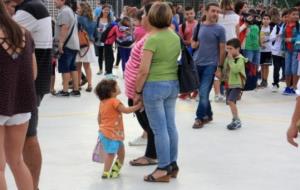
<point>139,93</point>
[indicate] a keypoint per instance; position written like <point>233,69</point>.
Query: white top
<point>266,45</point>
<point>276,37</point>
<point>229,22</point>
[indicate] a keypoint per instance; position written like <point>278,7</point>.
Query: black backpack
<point>187,71</point>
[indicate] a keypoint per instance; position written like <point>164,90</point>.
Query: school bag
<point>187,71</point>
<point>251,76</point>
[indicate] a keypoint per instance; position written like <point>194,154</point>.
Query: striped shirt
<point>132,67</point>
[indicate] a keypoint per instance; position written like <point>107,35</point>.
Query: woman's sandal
<point>148,161</point>
<point>164,178</point>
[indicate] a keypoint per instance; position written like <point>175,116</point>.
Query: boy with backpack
<point>277,53</point>
<point>265,49</point>
<point>290,32</point>
<point>234,77</point>
<point>186,33</point>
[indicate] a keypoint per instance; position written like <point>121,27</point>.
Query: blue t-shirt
<point>209,37</point>
<point>175,23</point>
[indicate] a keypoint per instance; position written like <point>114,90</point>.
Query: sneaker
<point>105,175</point>
<point>286,91</point>
<point>140,141</point>
<point>100,72</point>
<point>116,66</point>
<point>219,98</point>
<point>235,124</point>
<point>75,93</point>
<point>293,92</point>
<point>62,94</point>
<point>116,169</point>
<point>275,88</point>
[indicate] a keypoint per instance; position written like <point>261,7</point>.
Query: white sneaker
<point>140,141</point>
<point>219,98</point>
<point>275,88</point>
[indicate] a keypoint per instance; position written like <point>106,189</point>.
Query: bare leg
<point>78,66</point>
<point>66,79</point>
<point>288,80</point>
<point>121,154</point>
<point>14,142</point>
<point>295,81</point>
<point>217,86</point>
<point>33,158</point>
<point>233,109</point>
<point>88,73</point>
<point>108,160</point>
<point>75,80</point>
<point>2,159</point>
<point>52,83</point>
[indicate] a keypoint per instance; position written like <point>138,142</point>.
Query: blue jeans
<point>206,78</point>
<point>125,54</point>
<point>291,63</point>
<point>253,56</point>
<point>160,100</point>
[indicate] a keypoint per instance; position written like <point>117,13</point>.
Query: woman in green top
<point>157,85</point>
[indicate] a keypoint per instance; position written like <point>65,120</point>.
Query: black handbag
<point>187,71</point>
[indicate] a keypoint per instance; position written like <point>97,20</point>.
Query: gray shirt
<point>209,37</point>
<point>66,16</point>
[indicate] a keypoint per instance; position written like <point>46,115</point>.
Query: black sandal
<point>164,178</point>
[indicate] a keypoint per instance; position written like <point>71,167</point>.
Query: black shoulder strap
<point>195,37</point>
<point>183,26</point>
<point>71,32</point>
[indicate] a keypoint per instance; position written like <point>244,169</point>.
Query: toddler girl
<point>111,131</point>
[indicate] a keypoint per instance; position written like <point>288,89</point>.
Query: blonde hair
<point>86,10</point>
<point>160,15</point>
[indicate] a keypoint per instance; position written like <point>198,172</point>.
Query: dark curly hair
<point>105,88</point>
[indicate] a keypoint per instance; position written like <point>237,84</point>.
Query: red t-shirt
<point>289,34</point>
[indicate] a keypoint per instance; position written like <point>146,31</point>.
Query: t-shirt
<point>265,33</point>
<point>210,37</point>
<point>132,67</point>
<point>66,16</point>
<point>229,20</point>
<point>111,121</point>
<point>187,34</point>
<point>17,93</point>
<point>289,34</point>
<point>165,46</point>
<point>34,16</point>
<point>139,33</point>
<point>252,38</point>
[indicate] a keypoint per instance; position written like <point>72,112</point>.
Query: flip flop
<point>148,162</point>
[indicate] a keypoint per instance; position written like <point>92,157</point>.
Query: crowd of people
<point>221,38</point>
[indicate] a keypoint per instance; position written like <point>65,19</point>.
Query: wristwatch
<point>139,93</point>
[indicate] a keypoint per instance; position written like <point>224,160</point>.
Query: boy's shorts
<point>110,146</point>
<point>291,63</point>
<point>17,119</point>
<point>266,58</point>
<point>233,94</point>
<point>66,62</point>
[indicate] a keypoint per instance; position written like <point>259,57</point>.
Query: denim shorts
<point>66,62</point>
<point>233,94</point>
<point>16,119</point>
<point>110,146</point>
<point>291,63</point>
<point>253,56</point>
